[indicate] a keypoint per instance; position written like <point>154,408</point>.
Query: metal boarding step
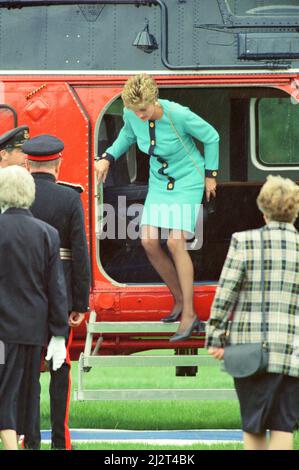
<point>89,360</point>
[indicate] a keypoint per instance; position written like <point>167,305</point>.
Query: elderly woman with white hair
<point>269,400</point>
<point>32,298</point>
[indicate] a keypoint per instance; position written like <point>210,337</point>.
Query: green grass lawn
<point>147,447</point>
<point>152,415</point>
<point>149,415</point>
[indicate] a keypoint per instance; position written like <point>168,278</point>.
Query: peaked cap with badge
<point>43,148</point>
<point>14,138</point>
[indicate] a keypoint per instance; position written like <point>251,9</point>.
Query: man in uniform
<point>11,152</point>
<point>33,302</point>
<point>61,207</point>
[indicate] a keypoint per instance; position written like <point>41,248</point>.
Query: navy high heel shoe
<point>197,325</point>
<point>172,317</point>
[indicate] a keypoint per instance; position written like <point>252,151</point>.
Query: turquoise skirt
<point>175,209</point>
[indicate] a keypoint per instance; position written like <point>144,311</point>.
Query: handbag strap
<point>264,330</point>
<point>183,144</point>
<point>264,326</point>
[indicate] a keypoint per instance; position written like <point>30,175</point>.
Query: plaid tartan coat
<point>239,293</point>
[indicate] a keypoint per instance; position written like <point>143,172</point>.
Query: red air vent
<point>37,109</point>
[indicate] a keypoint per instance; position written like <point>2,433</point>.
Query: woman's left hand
<point>210,187</point>
<point>217,353</point>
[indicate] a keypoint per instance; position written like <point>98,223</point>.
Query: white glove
<point>56,351</point>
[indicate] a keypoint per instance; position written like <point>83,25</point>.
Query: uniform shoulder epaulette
<point>77,187</point>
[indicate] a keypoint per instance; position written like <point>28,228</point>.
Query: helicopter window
<point>277,138</point>
<point>125,169</point>
<point>265,8</point>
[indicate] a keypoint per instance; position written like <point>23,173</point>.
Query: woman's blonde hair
<point>279,199</point>
<point>140,88</point>
<point>17,187</point>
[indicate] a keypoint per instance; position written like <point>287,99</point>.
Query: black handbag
<point>245,360</point>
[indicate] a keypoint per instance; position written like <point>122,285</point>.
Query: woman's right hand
<point>217,353</point>
<point>102,168</point>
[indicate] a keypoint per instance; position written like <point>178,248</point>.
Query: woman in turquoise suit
<point>179,174</point>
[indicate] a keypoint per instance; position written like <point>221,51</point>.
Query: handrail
<point>10,108</point>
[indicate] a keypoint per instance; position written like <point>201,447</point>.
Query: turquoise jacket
<point>177,168</point>
<point>168,145</point>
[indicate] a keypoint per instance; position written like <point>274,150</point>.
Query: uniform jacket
<point>61,207</point>
<point>239,292</point>
<point>32,286</point>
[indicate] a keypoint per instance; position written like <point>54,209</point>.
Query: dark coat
<point>32,285</point>
<point>61,207</point>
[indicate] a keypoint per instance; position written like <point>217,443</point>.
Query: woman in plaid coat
<point>271,400</point>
